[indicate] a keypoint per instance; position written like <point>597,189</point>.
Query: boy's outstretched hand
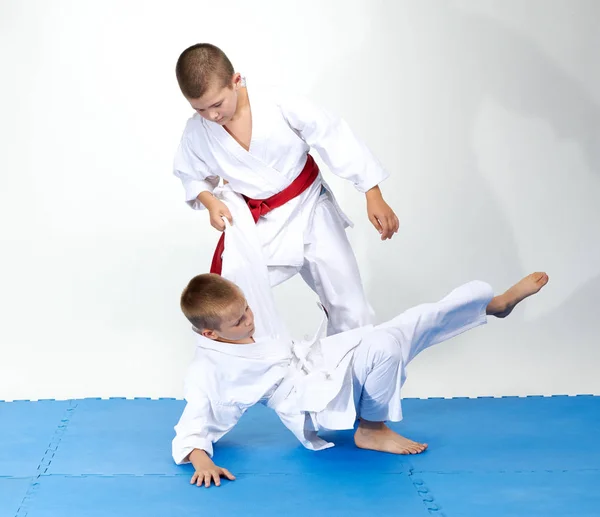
<point>206,477</point>
<point>381,215</point>
<point>206,471</point>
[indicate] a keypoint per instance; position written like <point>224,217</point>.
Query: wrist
<point>373,193</point>
<point>199,457</point>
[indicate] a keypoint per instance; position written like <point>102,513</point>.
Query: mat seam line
<point>425,494</point>
<point>520,471</point>
<point>46,460</point>
<point>410,472</point>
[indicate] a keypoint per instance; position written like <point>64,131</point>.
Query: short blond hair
<point>208,299</point>
<point>199,67</point>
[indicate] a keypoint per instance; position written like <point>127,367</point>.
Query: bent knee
<point>383,348</point>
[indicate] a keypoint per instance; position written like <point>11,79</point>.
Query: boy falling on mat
<point>258,140</point>
<point>244,357</point>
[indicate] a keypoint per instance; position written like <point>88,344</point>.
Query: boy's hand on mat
<point>380,214</point>
<point>207,476</point>
<point>217,211</point>
<point>205,470</point>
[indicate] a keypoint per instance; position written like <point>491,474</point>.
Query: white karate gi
<point>324,383</point>
<point>307,234</point>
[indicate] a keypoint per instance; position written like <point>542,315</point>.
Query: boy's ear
<point>236,80</point>
<point>210,334</point>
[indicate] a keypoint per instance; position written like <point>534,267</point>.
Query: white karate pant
<point>331,271</point>
<point>379,364</point>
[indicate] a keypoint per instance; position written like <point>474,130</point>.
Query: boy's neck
<point>242,105</point>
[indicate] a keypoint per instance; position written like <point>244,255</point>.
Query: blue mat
<point>488,457</point>
<point>12,493</point>
<point>506,434</point>
<point>532,494</point>
<point>27,431</point>
<point>119,436</point>
<point>347,494</point>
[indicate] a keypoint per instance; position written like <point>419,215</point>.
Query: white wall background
<point>487,114</point>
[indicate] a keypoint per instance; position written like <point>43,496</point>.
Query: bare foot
<point>501,306</point>
<point>383,439</point>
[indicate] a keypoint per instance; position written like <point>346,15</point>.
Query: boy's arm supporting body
<point>201,425</point>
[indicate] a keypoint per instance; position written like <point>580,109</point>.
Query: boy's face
<point>218,104</point>
<point>237,325</point>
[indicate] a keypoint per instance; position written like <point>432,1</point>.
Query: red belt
<point>260,207</point>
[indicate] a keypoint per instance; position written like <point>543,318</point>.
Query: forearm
<point>207,199</point>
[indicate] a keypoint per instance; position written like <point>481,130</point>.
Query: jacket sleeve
<point>345,154</point>
<point>201,425</point>
<point>193,172</point>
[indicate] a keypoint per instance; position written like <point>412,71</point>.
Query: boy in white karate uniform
<point>245,357</point>
<point>258,141</point>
